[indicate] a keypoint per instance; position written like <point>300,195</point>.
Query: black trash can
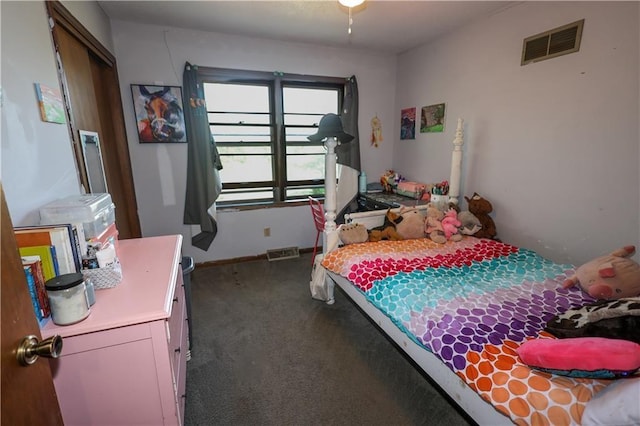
<point>187,268</point>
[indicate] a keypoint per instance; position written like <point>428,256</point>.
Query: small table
<point>385,200</point>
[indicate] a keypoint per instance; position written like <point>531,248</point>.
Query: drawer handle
<point>175,299</point>
<point>177,350</point>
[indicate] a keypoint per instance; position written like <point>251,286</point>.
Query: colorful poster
<point>408,123</point>
<point>432,119</point>
<point>50,104</point>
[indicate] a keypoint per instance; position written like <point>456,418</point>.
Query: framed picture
<point>50,103</point>
<point>159,113</point>
<point>408,123</point>
<point>432,119</point>
<point>92,154</point>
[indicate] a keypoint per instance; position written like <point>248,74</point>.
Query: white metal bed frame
<point>479,410</point>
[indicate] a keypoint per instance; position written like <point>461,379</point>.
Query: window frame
<point>276,82</point>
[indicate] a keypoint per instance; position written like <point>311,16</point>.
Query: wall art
<point>408,123</point>
<point>432,119</point>
<point>50,104</point>
<point>159,113</point>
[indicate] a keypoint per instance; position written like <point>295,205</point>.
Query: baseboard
<point>246,258</point>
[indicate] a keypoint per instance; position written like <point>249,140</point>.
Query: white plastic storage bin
<point>95,211</point>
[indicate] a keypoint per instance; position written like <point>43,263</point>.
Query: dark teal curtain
<point>349,153</point>
<point>203,162</point>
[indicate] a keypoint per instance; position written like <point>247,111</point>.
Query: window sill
<point>240,207</point>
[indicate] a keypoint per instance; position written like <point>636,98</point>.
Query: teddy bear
<point>609,277</point>
<point>433,225</point>
<point>450,225</point>
<point>388,230</point>
<point>412,224</point>
<point>481,207</point>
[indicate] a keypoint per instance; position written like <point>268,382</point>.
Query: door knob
<point>29,349</point>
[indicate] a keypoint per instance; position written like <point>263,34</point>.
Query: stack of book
<point>48,251</point>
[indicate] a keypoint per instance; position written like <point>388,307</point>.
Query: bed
<point>460,310</point>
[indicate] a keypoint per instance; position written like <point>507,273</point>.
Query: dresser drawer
<point>180,365</point>
<point>175,320</point>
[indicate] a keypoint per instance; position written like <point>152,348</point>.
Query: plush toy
<point>412,224</point>
<point>388,230</point>
<point>388,180</point>
<point>352,233</point>
<point>481,207</point>
<point>433,225</point>
<point>613,319</point>
<point>608,277</point>
<point>450,225</point>
<point>470,224</point>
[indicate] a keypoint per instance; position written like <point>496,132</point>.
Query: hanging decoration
<point>376,131</point>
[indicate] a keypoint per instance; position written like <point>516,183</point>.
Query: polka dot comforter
<point>472,303</point>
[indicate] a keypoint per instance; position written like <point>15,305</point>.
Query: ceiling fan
<point>350,4</point>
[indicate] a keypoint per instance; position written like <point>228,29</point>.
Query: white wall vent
<point>549,44</point>
<point>283,253</point>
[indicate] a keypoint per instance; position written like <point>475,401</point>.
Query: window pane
<point>305,167</point>
<point>237,118</point>
<point>241,134</point>
<point>236,97</point>
<point>310,101</point>
<point>305,149</point>
<point>265,194</point>
<point>243,149</point>
<point>304,192</point>
<point>246,168</point>
<point>303,119</point>
<point>299,134</point>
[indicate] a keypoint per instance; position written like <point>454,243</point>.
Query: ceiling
<point>390,26</point>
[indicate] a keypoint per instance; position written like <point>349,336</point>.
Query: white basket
<point>108,277</point>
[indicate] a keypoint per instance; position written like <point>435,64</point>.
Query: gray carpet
<point>265,353</point>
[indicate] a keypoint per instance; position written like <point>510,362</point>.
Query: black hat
<point>330,126</point>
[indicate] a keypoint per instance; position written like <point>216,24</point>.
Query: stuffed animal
<point>481,207</point>
<point>388,230</point>
<point>609,277</point>
<point>450,225</point>
<point>470,223</point>
<point>412,224</point>
<point>352,233</point>
<point>433,225</point>
<point>388,180</point>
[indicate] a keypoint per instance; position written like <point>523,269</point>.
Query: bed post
<point>330,235</point>
<point>456,165</point>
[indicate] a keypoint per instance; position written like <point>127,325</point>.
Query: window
<point>260,122</point>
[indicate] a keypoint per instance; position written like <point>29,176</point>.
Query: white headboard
<point>372,219</point>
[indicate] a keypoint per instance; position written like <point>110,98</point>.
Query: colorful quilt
<point>472,303</point>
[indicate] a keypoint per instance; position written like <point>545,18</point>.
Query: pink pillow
<point>596,357</point>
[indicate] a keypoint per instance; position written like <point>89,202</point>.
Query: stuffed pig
<point>613,276</point>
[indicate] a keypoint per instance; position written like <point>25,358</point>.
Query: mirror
<point>94,167</point>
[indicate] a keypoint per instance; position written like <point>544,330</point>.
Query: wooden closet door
<point>90,82</point>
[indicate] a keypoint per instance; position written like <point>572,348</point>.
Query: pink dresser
<point>126,363</point>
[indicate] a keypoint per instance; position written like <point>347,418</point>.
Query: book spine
<point>33,293</point>
<point>38,277</point>
<point>77,250</point>
<point>54,257</point>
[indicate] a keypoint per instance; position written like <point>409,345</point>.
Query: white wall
<point>156,55</point>
<point>553,145</point>
<point>37,161</point>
